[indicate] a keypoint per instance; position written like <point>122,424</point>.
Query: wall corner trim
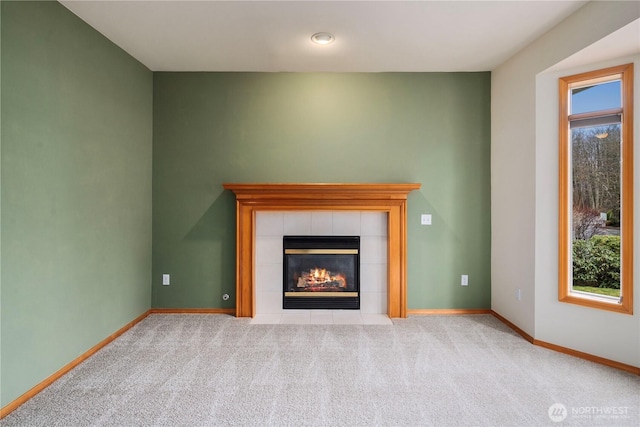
<point>519,331</point>
<point>590,357</point>
<point>447,311</point>
<point>569,351</point>
<point>231,311</point>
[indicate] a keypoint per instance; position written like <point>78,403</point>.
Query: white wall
<point>524,191</point>
<point>579,325</point>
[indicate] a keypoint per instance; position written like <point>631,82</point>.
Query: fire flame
<point>318,276</point>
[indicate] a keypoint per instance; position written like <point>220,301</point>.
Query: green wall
<point>76,191</point>
<point>431,128</point>
<point>83,123</point>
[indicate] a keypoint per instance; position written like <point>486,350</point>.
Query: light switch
<point>166,279</point>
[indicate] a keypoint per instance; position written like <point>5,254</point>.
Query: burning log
<point>320,279</point>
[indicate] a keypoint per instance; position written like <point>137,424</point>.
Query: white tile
<point>268,302</point>
<point>269,223</point>
<point>320,312</point>
<point>301,311</point>
<point>339,312</point>
<point>295,319</point>
<point>373,277</point>
<point>268,250</point>
<point>373,223</point>
<point>321,223</point>
<point>271,226</point>
<point>266,319</point>
<point>373,302</point>
<point>321,317</point>
<point>269,277</point>
<point>346,223</point>
<point>297,223</point>
<point>347,317</point>
<point>373,249</point>
<point>376,319</point>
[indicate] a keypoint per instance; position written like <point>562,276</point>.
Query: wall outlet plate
<point>464,280</point>
<point>166,279</point>
<point>425,219</point>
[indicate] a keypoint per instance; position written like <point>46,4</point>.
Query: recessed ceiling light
<point>322,38</point>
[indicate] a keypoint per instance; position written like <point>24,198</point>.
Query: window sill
<point>599,302</point>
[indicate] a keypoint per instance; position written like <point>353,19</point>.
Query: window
<point>596,189</point>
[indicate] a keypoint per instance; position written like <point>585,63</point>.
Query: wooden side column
<point>396,262</point>
<point>245,298</point>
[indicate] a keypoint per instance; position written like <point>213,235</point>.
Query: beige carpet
<point>200,370</point>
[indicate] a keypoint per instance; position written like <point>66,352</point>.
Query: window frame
<point>565,270</point>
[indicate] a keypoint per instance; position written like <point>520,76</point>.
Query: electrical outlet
<point>425,219</point>
<point>166,279</point>
<point>518,294</point>
<point>464,280</point>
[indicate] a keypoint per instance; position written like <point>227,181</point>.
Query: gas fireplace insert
<point>321,272</point>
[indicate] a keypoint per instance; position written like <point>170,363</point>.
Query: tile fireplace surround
<point>264,212</point>
<point>270,229</point>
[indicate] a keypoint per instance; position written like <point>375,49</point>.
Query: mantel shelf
<point>325,191</point>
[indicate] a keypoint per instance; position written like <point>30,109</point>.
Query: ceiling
<point>371,36</point>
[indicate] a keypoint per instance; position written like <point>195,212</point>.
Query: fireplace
<point>321,272</point>
<point>256,197</point>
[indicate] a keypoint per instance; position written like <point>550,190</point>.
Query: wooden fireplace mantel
<point>389,198</point>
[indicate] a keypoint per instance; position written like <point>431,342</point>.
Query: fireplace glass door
<point>321,272</point>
